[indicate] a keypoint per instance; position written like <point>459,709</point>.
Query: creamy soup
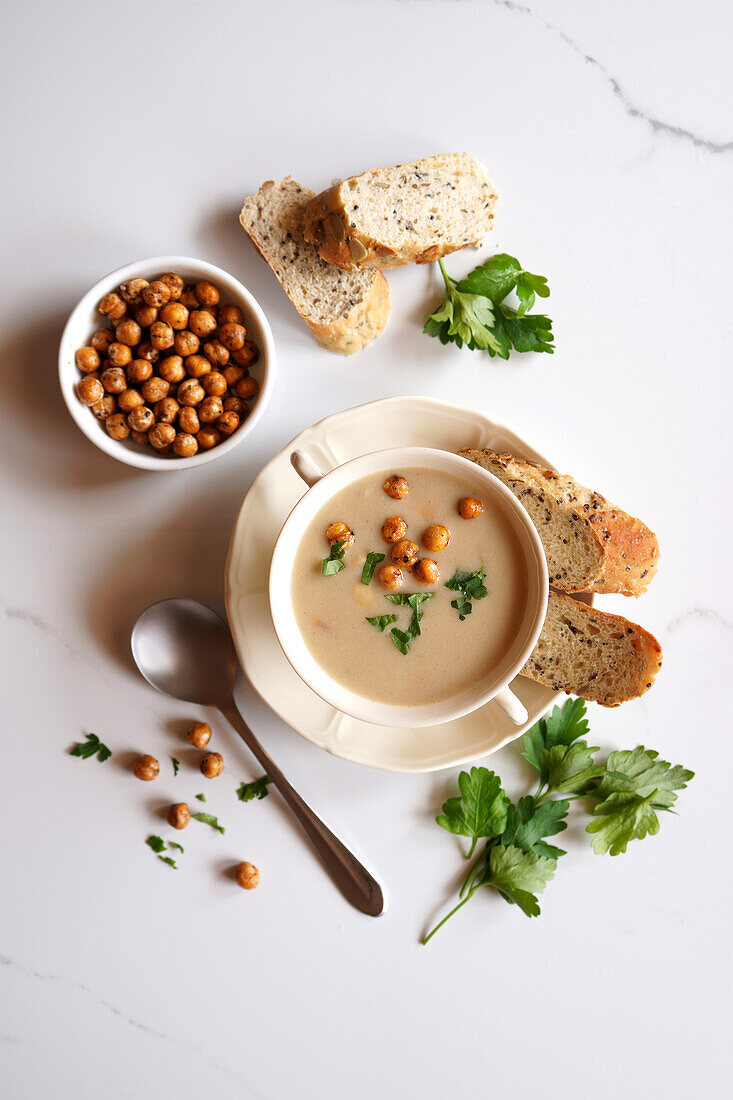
<point>368,624</point>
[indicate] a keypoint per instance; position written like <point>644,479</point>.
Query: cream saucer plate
<point>407,421</point>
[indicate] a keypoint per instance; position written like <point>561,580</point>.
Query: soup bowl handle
<point>514,710</point>
<point>306,468</point>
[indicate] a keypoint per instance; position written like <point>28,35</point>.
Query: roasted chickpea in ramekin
<point>203,323</point>
<point>87,359</point>
<point>208,437</point>
<point>172,369</point>
<point>228,423</point>
<point>161,436</point>
<point>89,391</point>
<point>185,445</point>
<point>186,343</point>
<point>188,420</point>
<point>156,294</point>
<point>139,370</point>
<point>247,388</point>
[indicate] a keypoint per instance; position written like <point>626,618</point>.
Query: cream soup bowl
<point>494,686</point>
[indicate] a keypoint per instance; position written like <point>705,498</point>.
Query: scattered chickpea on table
<point>146,767</point>
<point>172,371</point>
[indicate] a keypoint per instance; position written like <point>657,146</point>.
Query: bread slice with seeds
<point>600,657</point>
<point>591,546</point>
<point>413,213</point>
<point>344,311</point>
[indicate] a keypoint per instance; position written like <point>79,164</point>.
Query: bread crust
<point>559,669</point>
<point>339,249</point>
<point>628,549</point>
<point>352,332</point>
<point>365,322</point>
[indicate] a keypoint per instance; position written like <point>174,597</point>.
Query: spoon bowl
<point>185,650</point>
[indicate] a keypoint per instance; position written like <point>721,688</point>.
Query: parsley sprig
<point>92,746</point>
<point>623,797</point>
<point>475,312</point>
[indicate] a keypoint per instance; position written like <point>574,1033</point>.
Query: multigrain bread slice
<point>413,213</point>
<point>600,657</point>
<point>344,311</point>
<point>591,546</point>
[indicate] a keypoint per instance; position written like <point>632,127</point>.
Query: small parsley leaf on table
<point>92,746</point>
<point>201,797</point>
<point>175,844</point>
<point>158,845</point>
<point>564,726</point>
<point>209,819</point>
<point>256,789</point>
<point>481,809</point>
<point>176,765</point>
<point>373,559</point>
<point>334,563</point>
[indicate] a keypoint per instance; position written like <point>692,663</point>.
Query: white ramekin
<point>85,320</point>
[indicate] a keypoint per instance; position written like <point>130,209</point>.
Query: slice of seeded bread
<point>600,657</point>
<point>591,545</point>
<point>345,312</point>
<point>413,213</point>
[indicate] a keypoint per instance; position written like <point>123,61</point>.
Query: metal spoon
<point>184,649</point>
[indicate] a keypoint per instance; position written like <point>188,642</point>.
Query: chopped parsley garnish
<point>175,844</point>
<point>401,639</point>
<point>382,621</point>
<point>176,765</point>
<point>201,797</point>
<point>623,796</point>
<point>91,747</point>
<point>474,310</point>
<point>334,563</point>
<point>209,819</point>
<point>470,586</point>
<point>256,789</point>
<point>158,845</point>
<point>373,559</point>
<point>413,600</point>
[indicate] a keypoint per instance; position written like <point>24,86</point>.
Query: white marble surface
<point>134,130</point>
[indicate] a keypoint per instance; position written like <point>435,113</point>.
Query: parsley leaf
<point>209,819</point>
<point>413,600</point>
<point>176,765</point>
<point>565,725</point>
<point>256,789</point>
<point>570,769</point>
<point>373,559</point>
<point>334,563</point>
<point>401,639</point>
<point>92,746</point>
<point>481,809</point>
<point>474,310</point>
<point>527,823</point>
<point>635,785</point>
<point>470,586</point>
<point>519,876</point>
<point>158,846</point>
<point>381,621</point>
<point>201,797</point>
